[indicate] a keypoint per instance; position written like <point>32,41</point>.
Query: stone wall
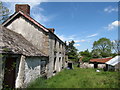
<point>56,55</point>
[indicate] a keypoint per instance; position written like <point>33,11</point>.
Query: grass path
<point>79,78</point>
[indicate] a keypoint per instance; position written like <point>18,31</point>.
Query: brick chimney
<point>25,8</point>
<point>51,29</point>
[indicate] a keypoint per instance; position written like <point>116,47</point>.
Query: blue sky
<point>83,22</point>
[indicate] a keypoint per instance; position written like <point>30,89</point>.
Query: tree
<point>4,12</point>
<point>102,47</point>
<point>72,51</point>
<point>116,46</point>
<point>86,55</point>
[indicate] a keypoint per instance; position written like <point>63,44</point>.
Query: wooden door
<point>9,75</point>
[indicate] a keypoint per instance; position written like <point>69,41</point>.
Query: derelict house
<point>31,48</point>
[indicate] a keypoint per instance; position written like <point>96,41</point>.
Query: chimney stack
<point>25,8</point>
<point>51,29</point>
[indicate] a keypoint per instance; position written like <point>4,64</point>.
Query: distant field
<point>79,78</point>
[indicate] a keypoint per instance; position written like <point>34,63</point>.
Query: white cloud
<point>62,37</point>
<point>76,41</point>
<point>35,9</point>
<point>32,3</point>
<point>93,35</point>
<point>110,9</point>
<point>76,45</point>
<point>36,13</point>
<point>113,25</point>
<point>72,37</point>
<point>66,38</point>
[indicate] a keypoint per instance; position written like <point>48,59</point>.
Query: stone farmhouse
<point>28,50</point>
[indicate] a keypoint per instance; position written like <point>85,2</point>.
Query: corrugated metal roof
<point>100,60</point>
<point>114,61</point>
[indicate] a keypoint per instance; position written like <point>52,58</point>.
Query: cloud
<point>76,45</point>
<point>32,3</point>
<point>93,35</point>
<point>76,41</point>
<point>110,9</point>
<point>66,38</point>
<point>39,16</point>
<point>62,37</point>
<point>69,38</point>
<point>72,37</point>
<point>113,25</point>
<point>36,11</point>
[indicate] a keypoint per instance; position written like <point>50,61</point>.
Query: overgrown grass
<point>79,78</point>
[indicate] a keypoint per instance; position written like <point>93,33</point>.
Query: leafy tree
<point>4,12</point>
<point>96,53</point>
<point>71,51</point>
<point>102,47</point>
<point>86,55</point>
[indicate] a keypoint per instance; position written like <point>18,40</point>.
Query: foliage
<point>80,78</point>
<point>86,59</point>
<point>102,48</point>
<point>71,51</point>
<point>4,12</point>
<point>86,55</point>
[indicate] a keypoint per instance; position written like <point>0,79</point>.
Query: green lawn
<point>79,78</point>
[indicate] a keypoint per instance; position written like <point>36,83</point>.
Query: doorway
<point>95,65</point>
<point>70,65</point>
<point>9,74</point>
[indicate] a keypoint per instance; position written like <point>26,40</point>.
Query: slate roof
<point>14,43</point>
<point>100,60</point>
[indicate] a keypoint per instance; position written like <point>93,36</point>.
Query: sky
<point>83,22</point>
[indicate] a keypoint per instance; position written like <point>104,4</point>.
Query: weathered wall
<point>86,65</point>
<point>32,33</point>
<point>101,65</point>
<point>32,68</point>
<point>57,53</point>
<point>27,69</point>
<point>20,70</point>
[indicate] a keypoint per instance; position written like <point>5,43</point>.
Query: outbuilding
<point>21,62</point>
<point>99,62</point>
<point>114,63</point>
